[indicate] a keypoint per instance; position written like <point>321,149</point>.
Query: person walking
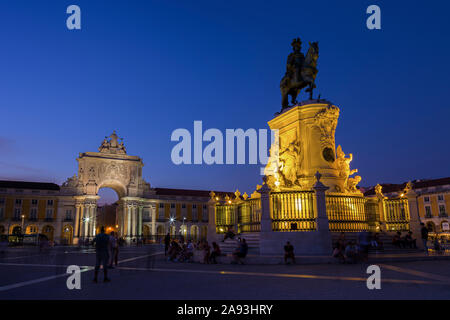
<point>166,243</point>
<point>289,253</point>
<point>424,234</point>
<point>101,242</point>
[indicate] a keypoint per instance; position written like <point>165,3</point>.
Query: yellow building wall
<point>55,209</point>
<point>42,204</point>
<point>434,205</point>
<point>420,204</point>
<point>199,212</point>
<point>189,212</point>
<point>178,211</point>
<point>447,203</point>
<point>26,203</point>
<point>9,207</point>
<point>167,210</point>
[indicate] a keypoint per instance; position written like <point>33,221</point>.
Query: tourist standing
<point>101,242</point>
<point>289,252</point>
<point>166,243</point>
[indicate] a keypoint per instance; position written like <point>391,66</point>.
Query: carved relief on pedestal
<point>326,121</point>
<point>284,166</point>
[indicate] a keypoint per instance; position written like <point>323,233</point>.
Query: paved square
<point>143,273</point>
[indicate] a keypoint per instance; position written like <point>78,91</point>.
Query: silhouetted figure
<point>101,242</point>
<point>289,252</point>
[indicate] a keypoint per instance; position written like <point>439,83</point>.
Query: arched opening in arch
<point>107,206</point>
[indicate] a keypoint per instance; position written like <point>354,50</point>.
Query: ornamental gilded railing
<point>249,215</point>
<point>225,217</point>
<point>293,211</point>
<point>346,213</point>
<point>396,213</point>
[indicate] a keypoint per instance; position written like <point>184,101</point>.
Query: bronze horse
<point>295,80</point>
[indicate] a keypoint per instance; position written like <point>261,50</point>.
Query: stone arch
<point>115,185</point>
<point>32,229</point>
<point>15,229</point>
<point>67,234</point>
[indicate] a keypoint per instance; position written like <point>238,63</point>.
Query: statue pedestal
<point>308,129</point>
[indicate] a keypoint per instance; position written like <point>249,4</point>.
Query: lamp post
<point>23,221</point>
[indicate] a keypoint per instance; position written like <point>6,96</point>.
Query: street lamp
<point>23,221</point>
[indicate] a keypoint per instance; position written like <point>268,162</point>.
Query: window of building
<point>183,206</point>
<point>17,213</point>
<point>34,202</point>
<point>428,212</point>
<point>442,212</point>
<point>194,206</point>
<point>426,199</point>
<point>49,214</point>
<point>68,214</point>
<point>18,201</point>
<point>50,202</point>
<point>440,197</point>
<point>32,229</point>
<point>195,215</point>
<point>2,213</point>
<point>161,205</point>
<point>2,201</point>
<point>204,206</point>
<point>172,205</point>
<point>33,214</point>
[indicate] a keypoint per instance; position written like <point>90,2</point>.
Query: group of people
<point>177,250</point>
<point>107,252</point>
<point>353,251</point>
<point>404,242</point>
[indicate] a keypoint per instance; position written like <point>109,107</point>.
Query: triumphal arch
<point>110,167</point>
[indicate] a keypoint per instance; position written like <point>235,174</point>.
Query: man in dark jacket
<point>424,233</point>
<point>101,242</point>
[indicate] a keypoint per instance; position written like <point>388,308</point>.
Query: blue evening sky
<point>145,68</point>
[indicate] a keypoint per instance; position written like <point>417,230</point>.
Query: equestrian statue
<point>301,72</point>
